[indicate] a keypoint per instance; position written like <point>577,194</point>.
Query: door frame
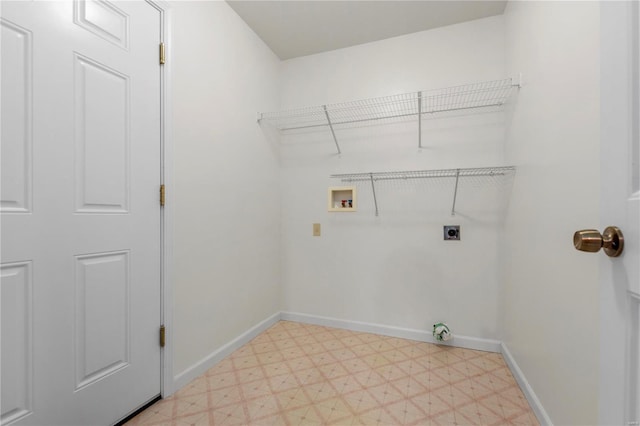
<point>167,383</point>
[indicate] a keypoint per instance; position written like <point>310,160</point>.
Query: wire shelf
<point>428,103</point>
<point>425,174</point>
<point>373,177</point>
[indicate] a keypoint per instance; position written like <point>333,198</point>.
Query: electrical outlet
<point>316,229</point>
<point>452,232</point>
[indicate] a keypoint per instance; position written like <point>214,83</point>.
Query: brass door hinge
<point>162,338</point>
<point>162,198</point>
<point>162,54</point>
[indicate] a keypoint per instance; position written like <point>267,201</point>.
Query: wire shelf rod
<point>373,177</point>
<point>425,174</point>
<point>423,114</point>
<point>373,189</point>
<point>419,120</point>
<point>388,117</point>
<point>331,127</point>
<point>455,193</point>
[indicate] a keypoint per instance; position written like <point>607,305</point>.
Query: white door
<point>80,259</point>
<point>619,394</point>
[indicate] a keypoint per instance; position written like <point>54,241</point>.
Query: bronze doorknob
<point>591,241</point>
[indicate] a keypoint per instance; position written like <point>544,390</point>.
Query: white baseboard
<point>206,363</point>
<point>487,345</point>
<point>526,388</point>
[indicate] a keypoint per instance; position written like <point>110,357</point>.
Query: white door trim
<point>167,385</point>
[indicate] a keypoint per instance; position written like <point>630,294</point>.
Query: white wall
<point>226,195</point>
<point>551,305</point>
<point>395,269</point>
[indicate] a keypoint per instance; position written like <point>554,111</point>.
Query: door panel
<point>16,121</point>
<point>102,316</point>
<point>17,347</point>
<point>102,121</point>
<point>103,19</point>
<point>80,210</point>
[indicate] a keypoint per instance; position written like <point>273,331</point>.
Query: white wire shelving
<point>470,98</point>
<point>456,174</point>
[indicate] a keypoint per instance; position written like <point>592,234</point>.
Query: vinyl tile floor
<point>301,374</point>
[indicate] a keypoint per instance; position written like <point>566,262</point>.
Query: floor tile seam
<point>316,408</point>
<point>393,383</point>
<point>479,417</point>
<point>394,416</point>
<point>524,406</point>
<point>443,411</point>
<point>196,399</point>
<point>221,401</point>
<point>474,421</point>
<point>174,409</point>
<point>422,413</point>
<point>482,402</point>
<point>241,353</point>
<point>331,385</point>
<point>191,413</point>
<point>181,422</point>
<point>451,403</point>
<point>516,401</point>
<point>156,413</point>
<point>454,382</point>
<point>364,390</point>
<point>265,387</point>
<point>273,374</point>
<point>409,401</point>
<point>333,377</point>
<point>499,387</point>
<point>176,396</point>
<point>460,366</point>
<point>267,363</point>
<point>382,399</point>
<point>297,380</point>
<point>366,381</point>
<point>486,367</point>
<point>272,389</point>
<point>514,416</point>
<point>250,378</point>
<point>263,400</point>
<point>368,411</point>
<point>450,364</point>
<point>291,356</point>
<point>212,413</point>
<point>341,359</point>
<point>226,386</point>
<point>438,387</point>
<point>265,416</point>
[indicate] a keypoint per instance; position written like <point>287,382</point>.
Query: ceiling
<point>305,27</point>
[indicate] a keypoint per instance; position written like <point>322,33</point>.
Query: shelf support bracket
<point>326,113</point>
<point>419,119</point>
<point>373,188</point>
<point>455,193</point>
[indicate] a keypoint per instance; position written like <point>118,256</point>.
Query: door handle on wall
<point>590,240</point>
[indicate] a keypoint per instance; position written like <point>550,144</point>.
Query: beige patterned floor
<point>300,374</point>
